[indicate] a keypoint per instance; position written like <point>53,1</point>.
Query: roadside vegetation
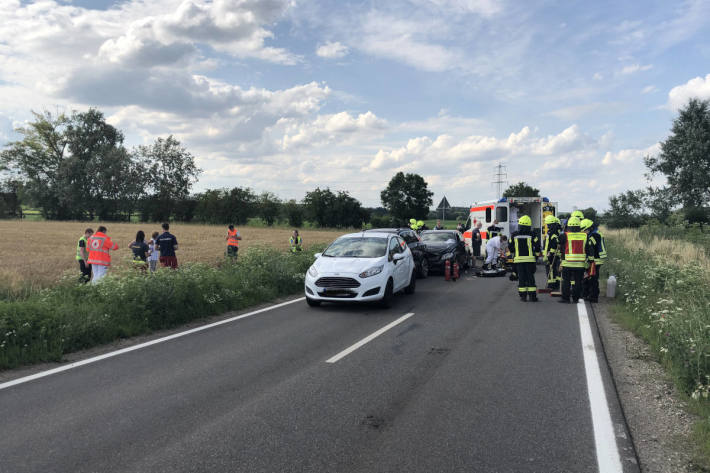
<point>71,316</point>
<point>663,296</point>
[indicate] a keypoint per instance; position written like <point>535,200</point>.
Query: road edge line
<point>76,364</point>
<point>368,339</point>
<point>607,450</point>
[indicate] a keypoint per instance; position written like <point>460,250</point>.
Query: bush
<point>71,317</point>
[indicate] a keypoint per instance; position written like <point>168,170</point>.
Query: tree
<point>269,207</point>
<point>685,155</point>
<point>521,189</point>
<point>625,210</point>
<point>171,174</point>
<point>294,213</point>
<point>318,204</point>
<point>407,196</point>
<point>591,214</point>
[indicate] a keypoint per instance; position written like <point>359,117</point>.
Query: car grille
<point>340,283</point>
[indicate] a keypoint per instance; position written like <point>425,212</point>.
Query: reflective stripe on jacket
<point>232,238</point>
<point>601,247</point>
<point>575,251</point>
<point>99,246</point>
<point>295,243</point>
<point>524,249</point>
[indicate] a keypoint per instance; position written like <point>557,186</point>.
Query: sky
<point>289,95</point>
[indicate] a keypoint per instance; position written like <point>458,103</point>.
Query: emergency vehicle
<point>507,211</point>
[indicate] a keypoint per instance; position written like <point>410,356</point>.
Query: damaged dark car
<point>442,245</point>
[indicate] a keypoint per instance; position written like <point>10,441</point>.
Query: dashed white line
<point>367,339</point>
<point>94,359</point>
<point>608,460</point>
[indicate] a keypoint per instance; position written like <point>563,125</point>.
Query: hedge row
<point>72,317</point>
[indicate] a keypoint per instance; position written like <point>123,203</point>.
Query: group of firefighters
<point>573,256</point>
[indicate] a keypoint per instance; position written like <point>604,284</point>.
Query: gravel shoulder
<point>658,418</point>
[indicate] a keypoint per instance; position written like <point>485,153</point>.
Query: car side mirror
<point>317,255</point>
<point>397,257</point>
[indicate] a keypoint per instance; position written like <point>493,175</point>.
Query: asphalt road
<point>474,381</point>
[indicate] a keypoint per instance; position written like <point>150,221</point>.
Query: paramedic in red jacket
<point>99,246</point>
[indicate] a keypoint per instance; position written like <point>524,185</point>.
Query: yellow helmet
<point>420,223</point>
<point>578,214</point>
<point>550,219</point>
<point>413,221</point>
<point>585,224</point>
<point>573,221</point>
<point>525,220</point>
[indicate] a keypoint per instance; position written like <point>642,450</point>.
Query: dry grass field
<point>36,254</point>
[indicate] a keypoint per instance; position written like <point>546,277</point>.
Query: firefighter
<point>100,246</point>
<point>296,242</point>
<point>573,246</point>
<point>597,251</point>
<point>578,214</point>
<point>233,238</point>
<point>551,252</point>
<point>494,230</point>
<point>525,247</point>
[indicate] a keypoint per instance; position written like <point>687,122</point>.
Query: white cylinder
<point>611,286</point>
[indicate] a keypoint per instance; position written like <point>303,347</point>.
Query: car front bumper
<point>369,289</point>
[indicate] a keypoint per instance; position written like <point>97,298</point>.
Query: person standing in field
<point>168,245</point>
<point>154,252</point>
<point>140,251</point>
<point>233,238</point>
<point>100,246</point>
<point>296,242</point>
<point>82,255</point>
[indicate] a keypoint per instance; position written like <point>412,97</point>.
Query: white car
<point>361,267</point>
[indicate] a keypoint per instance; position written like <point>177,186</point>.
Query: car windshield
<point>364,247</point>
<point>438,236</point>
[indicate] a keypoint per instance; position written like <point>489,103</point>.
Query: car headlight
<point>447,256</point>
<point>372,271</point>
<point>312,271</point>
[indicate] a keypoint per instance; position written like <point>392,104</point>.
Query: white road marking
<point>608,460</point>
<point>369,338</point>
<point>87,361</point>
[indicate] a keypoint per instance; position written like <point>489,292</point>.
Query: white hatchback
<point>361,267</point>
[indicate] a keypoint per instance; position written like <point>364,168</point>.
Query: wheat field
<point>34,255</point>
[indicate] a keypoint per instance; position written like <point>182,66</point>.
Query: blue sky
<point>287,95</point>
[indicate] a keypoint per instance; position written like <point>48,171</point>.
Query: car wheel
<point>424,268</point>
<point>312,302</point>
<point>412,284</point>
<point>386,301</point>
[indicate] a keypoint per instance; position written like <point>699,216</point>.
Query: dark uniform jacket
<point>523,249</point>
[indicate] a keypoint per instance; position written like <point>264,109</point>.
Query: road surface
<point>469,379</point>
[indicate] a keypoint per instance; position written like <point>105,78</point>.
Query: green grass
<point>72,316</point>
<point>669,307</point>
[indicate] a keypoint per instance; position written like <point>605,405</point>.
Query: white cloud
<point>626,156</point>
<point>633,68</point>
<point>334,50</point>
<point>576,111</point>
<point>698,87</point>
<point>649,89</point>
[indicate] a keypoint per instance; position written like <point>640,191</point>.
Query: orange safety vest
<point>232,238</point>
<point>99,245</point>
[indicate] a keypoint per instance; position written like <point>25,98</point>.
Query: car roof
<point>369,234</point>
<point>440,231</point>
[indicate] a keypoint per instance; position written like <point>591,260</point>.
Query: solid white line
<point>369,338</point>
<point>608,460</point>
<point>87,361</point>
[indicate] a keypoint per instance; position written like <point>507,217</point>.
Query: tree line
<point>76,167</point>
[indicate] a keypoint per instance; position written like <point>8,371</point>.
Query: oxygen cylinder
<point>455,275</point>
<point>611,286</point>
<point>447,270</point>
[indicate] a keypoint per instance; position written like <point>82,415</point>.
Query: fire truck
<point>507,211</point>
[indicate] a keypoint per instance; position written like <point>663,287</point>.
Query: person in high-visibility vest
<point>233,237</point>
<point>82,255</point>
<point>574,254</point>
<point>100,246</point>
<point>296,242</point>
<point>551,252</point>
<point>525,247</point>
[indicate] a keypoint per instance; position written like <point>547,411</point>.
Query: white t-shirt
<point>154,251</point>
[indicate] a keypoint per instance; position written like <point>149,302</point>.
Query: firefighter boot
<point>524,296</point>
<point>533,296</point>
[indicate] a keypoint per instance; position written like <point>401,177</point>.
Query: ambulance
<point>507,211</point>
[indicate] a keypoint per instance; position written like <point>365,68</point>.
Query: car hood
<point>439,247</point>
<point>326,264</point>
